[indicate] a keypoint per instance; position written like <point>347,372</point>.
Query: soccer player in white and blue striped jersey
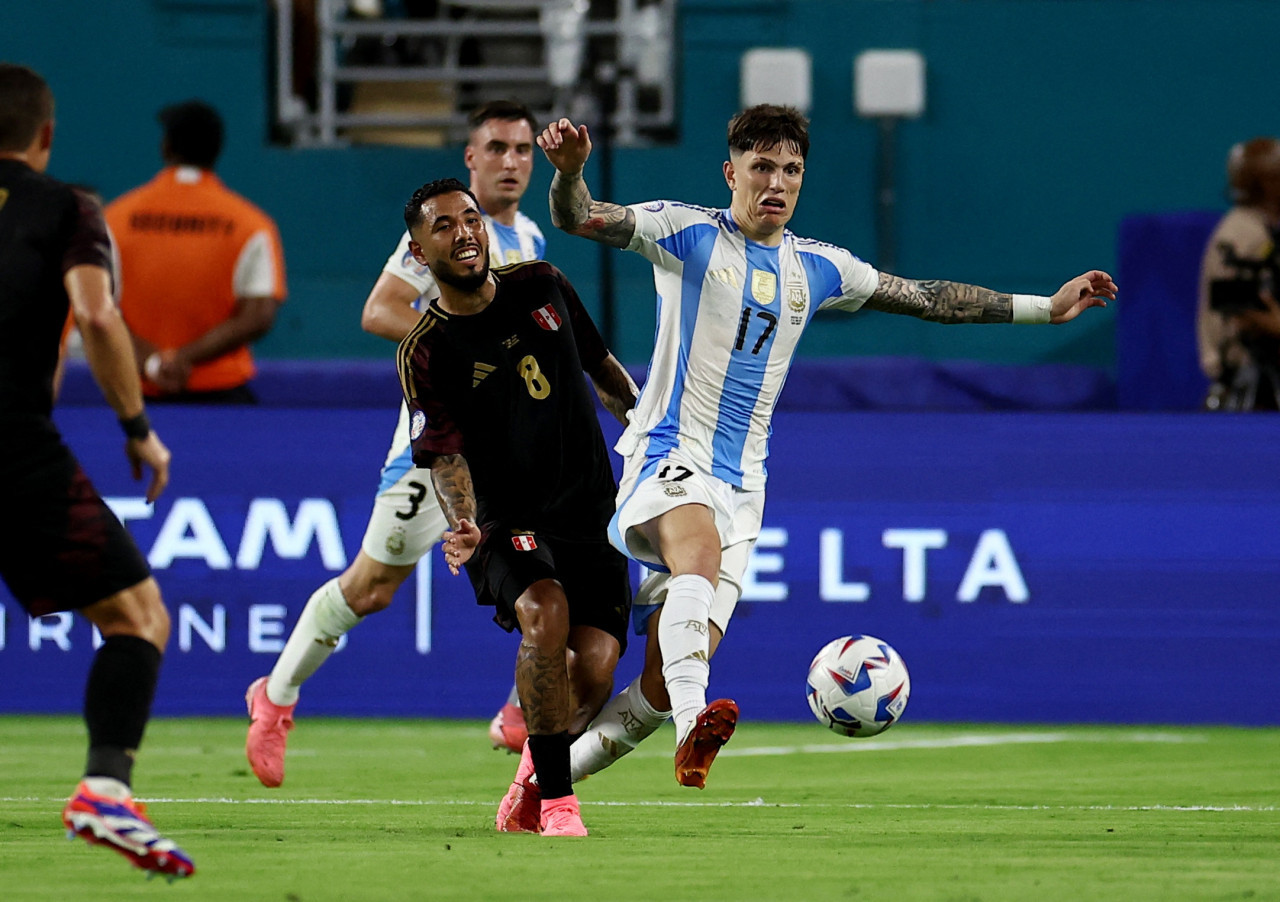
<point>736,289</point>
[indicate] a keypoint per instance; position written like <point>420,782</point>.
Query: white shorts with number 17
<point>650,488</point>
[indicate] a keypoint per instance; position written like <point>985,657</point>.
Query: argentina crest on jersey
<point>796,298</point>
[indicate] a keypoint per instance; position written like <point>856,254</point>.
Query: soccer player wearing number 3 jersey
<point>501,416</point>
<point>735,289</point>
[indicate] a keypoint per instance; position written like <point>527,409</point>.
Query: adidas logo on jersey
<point>481,370</point>
<point>727,275</point>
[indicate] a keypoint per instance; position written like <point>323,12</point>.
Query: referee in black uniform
<point>61,548</point>
<point>501,414</point>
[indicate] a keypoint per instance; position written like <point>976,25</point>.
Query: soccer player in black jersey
<point>502,416</point>
<point>60,546</point>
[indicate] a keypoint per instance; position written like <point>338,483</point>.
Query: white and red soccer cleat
<point>562,817</point>
<point>269,726</point>
<point>122,824</point>
<point>507,730</point>
<point>520,810</point>
<point>712,729</point>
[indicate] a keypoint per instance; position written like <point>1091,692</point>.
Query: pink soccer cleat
<point>712,729</point>
<point>520,809</point>
<point>269,726</point>
<point>122,824</point>
<point>507,730</point>
<point>562,817</point>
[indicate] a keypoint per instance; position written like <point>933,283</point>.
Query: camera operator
<point>1238,326</point>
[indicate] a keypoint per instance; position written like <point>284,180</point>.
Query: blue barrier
<point>1158,269</point>
<point>838,384</point>
<point>1028,567</point>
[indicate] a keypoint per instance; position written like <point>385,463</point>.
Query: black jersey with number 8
<point>505,388</point>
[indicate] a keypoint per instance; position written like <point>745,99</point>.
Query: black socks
<point>550,753</point>
<point>117,704</point>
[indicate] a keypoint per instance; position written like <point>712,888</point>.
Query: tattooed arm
<point>941,302</point>
<point>572,208</point>
<point>451,478</point>
<point>955,302</point>
<point>614,386</point>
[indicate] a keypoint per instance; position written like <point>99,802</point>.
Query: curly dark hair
<point>413,209</point>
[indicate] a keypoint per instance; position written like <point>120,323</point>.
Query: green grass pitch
<point>392,809</point>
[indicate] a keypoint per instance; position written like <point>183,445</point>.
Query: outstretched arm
<point>451,478</point>
<point>614,386</point>
<point>572,208</point>
<point>955,302</point>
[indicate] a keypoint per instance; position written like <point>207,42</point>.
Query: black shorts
<point>594,576</point>
<point>61,547</point>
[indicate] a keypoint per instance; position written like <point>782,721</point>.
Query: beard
<point>465,283</point>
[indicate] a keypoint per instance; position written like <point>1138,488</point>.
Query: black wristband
<point>136,427</point>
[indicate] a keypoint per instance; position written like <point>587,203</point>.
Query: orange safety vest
<point>185,240</point>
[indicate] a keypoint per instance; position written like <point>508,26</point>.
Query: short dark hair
<point>766,125</point>
<point>506,110</point>
<point>413,209</point>
<point>26,104</point>
<point>193,133</point>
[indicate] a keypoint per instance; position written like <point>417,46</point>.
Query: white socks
<point>684,638</point>
<point>622,723</point>
<point>108,787</point>
<point>324,621</point>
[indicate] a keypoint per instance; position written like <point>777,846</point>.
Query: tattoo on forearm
<point>941,302</point>
<point>543,686</point>
<point>574,211</point>
<point>451,478</point>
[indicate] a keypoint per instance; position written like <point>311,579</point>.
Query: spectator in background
<point>1238,326</point>
<point>201,268</point>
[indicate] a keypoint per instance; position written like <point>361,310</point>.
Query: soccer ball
<point>858,686</point>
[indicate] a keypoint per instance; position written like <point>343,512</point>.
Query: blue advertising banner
<point>1028,567</point>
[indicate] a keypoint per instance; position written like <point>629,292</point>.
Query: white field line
<point>754,803</point>
<point>872,745</point>
<point>888,745</point>
<point>876,744</point>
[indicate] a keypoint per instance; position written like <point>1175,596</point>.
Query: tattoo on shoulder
<point>940,301</point>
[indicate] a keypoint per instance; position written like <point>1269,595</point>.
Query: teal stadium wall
<point>1048,121</point>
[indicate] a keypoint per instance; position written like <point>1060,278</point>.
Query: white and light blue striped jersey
<point>730,314</point>
<point>507,244</point>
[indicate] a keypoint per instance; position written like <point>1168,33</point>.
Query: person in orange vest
<point>201,268</point>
